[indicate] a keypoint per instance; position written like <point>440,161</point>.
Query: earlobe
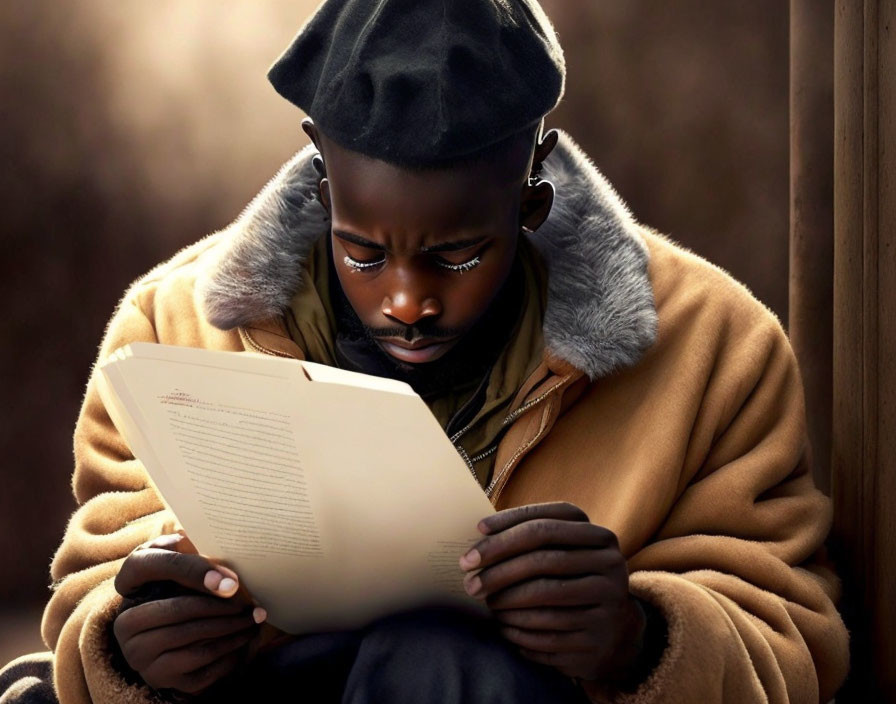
<point>538,195</point>
<point>324,190</point>
<point>536,205</point>
<point>317,161</point>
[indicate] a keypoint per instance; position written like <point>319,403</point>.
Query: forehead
<point>373,193</point>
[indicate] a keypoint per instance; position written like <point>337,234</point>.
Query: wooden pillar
<point>864,412</point>
<point>811,286</point>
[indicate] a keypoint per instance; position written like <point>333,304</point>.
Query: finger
<point>166,542</point>
<point>145,647</point>
<point>172,668</point>
<point>178,542</point>
<point>542,563</point>
<point>550,641</point>
<point>166,612</point>
<point>593,590</point>
<point>203,678</point>
<point>502,520</point>
<point>533,535</point>
<point>192,571</point>
<point>551,618</point>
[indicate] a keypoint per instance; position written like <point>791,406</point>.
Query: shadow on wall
<point>684,107</point>
<point>133,129</point>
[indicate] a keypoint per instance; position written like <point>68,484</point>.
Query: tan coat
<point>668,406</point>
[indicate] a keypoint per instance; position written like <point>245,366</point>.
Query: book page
<point>244,467</point>
<point>335,502</point>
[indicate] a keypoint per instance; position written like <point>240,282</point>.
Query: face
<point>421,255</point>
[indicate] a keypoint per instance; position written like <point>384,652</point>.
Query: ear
<point>536,204</point>
<point>538,196</point>
<point>545,146</point>
<point>324,190</point>
<point>310,129</point>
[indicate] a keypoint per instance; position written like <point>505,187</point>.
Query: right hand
<point>189,641</point>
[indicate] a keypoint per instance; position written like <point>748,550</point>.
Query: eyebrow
<point>441,247</point>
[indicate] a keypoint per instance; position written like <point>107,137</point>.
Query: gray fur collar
<point>600,313</point>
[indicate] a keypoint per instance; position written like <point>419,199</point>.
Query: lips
<point>416,352</point>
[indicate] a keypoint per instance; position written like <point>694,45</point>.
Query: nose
<point>406,307</point>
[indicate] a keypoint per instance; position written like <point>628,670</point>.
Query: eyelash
<point>461,268</point>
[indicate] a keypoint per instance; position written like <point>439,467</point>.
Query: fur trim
<point>600,312</point>
<point>257,271</point>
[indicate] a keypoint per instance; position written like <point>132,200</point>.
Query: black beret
<point>422,81</point>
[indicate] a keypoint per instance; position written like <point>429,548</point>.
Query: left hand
<point>558,585</point>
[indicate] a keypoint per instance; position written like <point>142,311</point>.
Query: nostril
<point>431,307</point>
<point>408,310</point>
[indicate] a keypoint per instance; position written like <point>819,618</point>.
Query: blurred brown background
<point>131,129</point>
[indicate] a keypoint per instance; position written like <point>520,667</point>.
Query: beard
<point>471,357</point>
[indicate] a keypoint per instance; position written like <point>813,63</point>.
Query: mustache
<point>417,331</point>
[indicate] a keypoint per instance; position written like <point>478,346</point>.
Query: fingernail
<point>474,586</point>
<point>471,559</point>
<point>227,586</point>
<point>259,614</point>
<point>212,580</point>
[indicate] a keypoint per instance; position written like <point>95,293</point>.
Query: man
<point>635,415</point>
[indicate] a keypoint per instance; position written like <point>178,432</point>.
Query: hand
<point>559,586</point>
<point>188,641</point>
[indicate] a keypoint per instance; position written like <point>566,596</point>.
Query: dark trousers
<point>429,656</point>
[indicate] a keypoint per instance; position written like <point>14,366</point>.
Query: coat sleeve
<point>738,568</point>
<point>117,511</point>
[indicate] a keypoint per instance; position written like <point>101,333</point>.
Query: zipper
<point>502,476</point>
<point>511,417</point>
<point>463,453</point>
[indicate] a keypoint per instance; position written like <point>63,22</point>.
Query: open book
<point>336,496</point>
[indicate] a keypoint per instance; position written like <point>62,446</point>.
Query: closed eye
<point>362,264</point>
<point>367,264</point>
<point>461,268</point>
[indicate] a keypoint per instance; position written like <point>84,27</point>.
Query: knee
<point>436,639</point>
<point>443,655</point>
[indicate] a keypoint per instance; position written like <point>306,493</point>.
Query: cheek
<point>361,294</point>
<point>470,294</point>
<point>477,289</point>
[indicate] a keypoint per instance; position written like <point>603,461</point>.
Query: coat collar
<point>600,313</point>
